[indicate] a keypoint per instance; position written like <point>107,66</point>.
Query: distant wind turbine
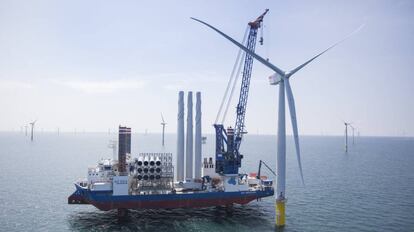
<point>25,130</point>
<point>32,124</point>
<point>113,145</point>
<point>353,134</point>
<point>346,135</point>
<point>163,123</point>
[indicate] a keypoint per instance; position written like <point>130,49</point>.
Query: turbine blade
<point>291,102</point>
<point>259,58</point>
<point>329,48</point>
<point>162,118</point>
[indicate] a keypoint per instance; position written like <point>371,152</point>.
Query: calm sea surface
<point>369,189</point>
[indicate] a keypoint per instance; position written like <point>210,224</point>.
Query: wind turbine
<point>280,78</point>
<point>32,124</point>
<point>25,130</point>
<point>163,123</point>
<point>353,134</point>
<point>346,135</point>
<point>113,145</point>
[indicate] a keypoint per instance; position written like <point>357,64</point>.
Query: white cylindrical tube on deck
<point>189,141</point>
<point>146,160</point>
<point>197,149</point>
<point>180,137</point>
<point>157,161</point>
<point>140,161</point>
<point>152,160</point>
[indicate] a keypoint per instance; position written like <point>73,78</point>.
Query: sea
<point>369,188</point>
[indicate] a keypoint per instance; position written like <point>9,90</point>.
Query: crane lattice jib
<point>244,90</point>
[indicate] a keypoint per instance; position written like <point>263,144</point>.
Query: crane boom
<point>228,162</point>
<point>244,89</point>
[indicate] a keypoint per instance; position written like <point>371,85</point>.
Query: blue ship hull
<point>104,200</point>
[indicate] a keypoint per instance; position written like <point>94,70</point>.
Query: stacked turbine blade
<point>153,170</point>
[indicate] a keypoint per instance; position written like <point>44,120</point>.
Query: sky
<point>93,65</point>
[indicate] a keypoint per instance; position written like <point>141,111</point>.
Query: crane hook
<point>261,33</point>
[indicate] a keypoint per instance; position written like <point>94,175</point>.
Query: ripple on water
<point>244,218</point>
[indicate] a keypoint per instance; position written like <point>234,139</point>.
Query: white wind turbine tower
<point>163,123</point>
<point>353,134</point>
<point>280,78</point>
<point>32,124</point>
<point>346,135</point>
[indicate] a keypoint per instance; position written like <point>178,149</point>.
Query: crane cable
<point>232,88</point>
<point>266,30</point>
<point>236,64</point>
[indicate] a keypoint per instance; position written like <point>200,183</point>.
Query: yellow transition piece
<point>280,212</point>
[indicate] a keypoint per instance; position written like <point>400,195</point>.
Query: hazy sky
<point>93,65</point>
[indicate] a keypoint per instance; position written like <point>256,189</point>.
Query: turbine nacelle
<point>275,79</point>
